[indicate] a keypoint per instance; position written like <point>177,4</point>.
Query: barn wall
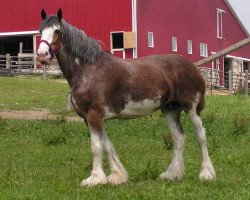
<point>187,20</point>
<point>97,17</point>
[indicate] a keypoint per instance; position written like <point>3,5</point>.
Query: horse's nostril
<point>46,53</point>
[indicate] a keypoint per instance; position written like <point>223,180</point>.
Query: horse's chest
<point>134,109</point>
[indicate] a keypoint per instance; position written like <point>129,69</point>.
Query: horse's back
<point>171,70</point>
<point>173,67</point>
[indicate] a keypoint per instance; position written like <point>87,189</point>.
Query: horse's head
<point>51,36</point>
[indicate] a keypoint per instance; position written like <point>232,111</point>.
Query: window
<point>122,40</point>
<point>150,39</point>
<point>174,44</point>
<point>189,47</point>
<point>219,24</point>
<point>203,50</point>
<point>117,40</point>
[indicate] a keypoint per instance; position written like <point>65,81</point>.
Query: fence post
<point>7,61</point>
<point>246,82</point>
<point>230,80</point>
<point>206,84</point>
<point>211,81</point>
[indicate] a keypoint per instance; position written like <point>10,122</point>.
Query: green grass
<point>48,159</point>
<point>22,93</point>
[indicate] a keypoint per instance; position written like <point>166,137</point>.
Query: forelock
<point>50,21</point>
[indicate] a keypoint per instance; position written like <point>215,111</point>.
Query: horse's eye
<point>57,31</point>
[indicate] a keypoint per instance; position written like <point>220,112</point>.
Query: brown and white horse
<point>105,87</point>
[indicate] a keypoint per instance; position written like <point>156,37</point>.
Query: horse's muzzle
<point>44,60</point>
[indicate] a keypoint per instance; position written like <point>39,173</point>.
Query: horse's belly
<point>135,109</point>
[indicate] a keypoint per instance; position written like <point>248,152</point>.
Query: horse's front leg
<point>95,123</point>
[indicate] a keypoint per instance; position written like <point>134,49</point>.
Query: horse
<point>106,87</point>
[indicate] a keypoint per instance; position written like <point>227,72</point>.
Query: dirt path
<point>32,115</point>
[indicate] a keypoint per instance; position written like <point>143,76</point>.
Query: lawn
<point>31,93</point>
<point>48,159</point>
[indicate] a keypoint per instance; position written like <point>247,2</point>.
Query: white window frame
<point>150,39</point>
<point>111,44</point>
<point>203,50</point>
<point>190,47</point>
<point>174,44</point>
<point>219,23</point>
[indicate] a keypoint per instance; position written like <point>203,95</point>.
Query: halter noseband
<point>52,51</point>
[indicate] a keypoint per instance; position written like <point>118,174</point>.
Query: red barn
<point>97,18</point>
<point>135,28</point>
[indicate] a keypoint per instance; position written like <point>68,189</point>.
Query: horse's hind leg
<point>175,170</point>
<point>118,173</point>
<point>207,170</point>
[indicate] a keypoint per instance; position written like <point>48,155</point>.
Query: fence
<point>25,64</point>
<point>4,61</point>
<point>228,82</point>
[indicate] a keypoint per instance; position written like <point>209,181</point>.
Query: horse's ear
<point>43,14</point>
<point>59,14</point>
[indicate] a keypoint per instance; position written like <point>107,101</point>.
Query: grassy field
<point>33,93</point>
<point>48,159</point>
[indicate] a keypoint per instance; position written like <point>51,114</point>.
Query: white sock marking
<point>176,167</point>
<point>207,169</point>
<point>97,175</point>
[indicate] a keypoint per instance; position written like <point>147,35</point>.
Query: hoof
<point>174,172</point>
<point>117,178</point>
<point>171,176</point>
<point>94,180</point>
<point>207,173</point>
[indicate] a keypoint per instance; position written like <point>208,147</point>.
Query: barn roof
<point>237,18</point>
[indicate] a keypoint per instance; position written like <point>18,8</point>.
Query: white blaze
<point>47,35</point>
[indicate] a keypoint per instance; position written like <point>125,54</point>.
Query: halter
<point>52,50</point>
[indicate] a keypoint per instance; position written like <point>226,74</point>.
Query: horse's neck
<point>71,66</point>
<point>65,64</point>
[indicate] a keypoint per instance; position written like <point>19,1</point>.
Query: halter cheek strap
<point>52,51</point>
